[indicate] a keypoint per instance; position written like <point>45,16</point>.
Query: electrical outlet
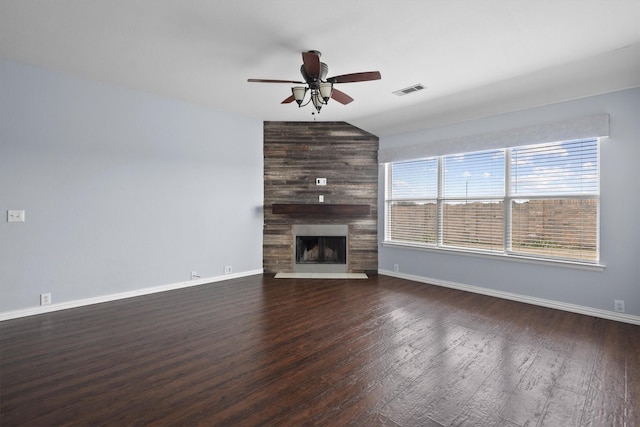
<point>321,198</point>
<point>618,305</point>
<point>396,268</point>
<point>15,216</point>
<point>194,275</point>
<point>45,299</point>
<point>227,269</point>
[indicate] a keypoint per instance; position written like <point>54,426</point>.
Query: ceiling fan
<point>318,84</point>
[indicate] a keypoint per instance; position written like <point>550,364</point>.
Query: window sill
<point>500,256</point>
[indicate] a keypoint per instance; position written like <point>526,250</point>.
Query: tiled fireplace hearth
<point>301,234</point>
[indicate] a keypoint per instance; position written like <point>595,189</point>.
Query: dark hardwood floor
<point>287,352</point>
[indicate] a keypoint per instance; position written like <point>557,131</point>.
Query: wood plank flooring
<point>260,351</point>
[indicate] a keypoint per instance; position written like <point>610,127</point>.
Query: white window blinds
<point>473,200</point>
<point>411,209</point>
<point>540,201</point>
<point>554,208</point>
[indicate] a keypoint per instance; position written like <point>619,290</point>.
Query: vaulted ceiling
<point>475,58</point>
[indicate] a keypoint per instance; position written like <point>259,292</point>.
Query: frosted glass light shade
<point>317,101</point>
<point>325,91</point>
<point>298,93</point>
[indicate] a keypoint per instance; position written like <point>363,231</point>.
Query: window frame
<point>507,199</point>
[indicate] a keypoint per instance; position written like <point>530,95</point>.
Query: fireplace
<point>320,248</point>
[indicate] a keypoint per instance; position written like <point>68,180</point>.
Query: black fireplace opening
<point>321,249</point>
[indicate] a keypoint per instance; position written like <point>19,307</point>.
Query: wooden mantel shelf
<point>319,209</point>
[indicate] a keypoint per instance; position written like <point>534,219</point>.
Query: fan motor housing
<point>324,70</point>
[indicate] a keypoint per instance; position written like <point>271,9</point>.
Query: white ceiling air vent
<point>409,89</point>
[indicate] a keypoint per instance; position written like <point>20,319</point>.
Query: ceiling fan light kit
<point>320,87</point>
<point>320,94</point>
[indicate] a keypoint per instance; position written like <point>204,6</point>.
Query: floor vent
<point>409,89</point>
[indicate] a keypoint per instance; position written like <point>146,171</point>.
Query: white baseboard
<point>573,308</point>
<point>122,295</point>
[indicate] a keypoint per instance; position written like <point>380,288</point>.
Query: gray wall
<point>123,190</point>
<point>619,219</point>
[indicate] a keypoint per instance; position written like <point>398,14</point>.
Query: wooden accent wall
<point>295,154</point>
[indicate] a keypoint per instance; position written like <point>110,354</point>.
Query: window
<point>536,201</point>
<point>473,200</point>
<point>554,208</point>
<point>411,212</point>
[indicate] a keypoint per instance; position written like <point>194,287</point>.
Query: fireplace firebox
<point>320,248</point>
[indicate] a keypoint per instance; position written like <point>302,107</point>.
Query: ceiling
<point>476,58</point>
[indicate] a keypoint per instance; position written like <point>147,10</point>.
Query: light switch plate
<point>321,181</point>
<point>15,216</point>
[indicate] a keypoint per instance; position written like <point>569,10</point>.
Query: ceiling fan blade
<point>356,77</point>
<point>311,63</point>
<point>274,81</point>
<point>341,97</point>
<point>288,100</point>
